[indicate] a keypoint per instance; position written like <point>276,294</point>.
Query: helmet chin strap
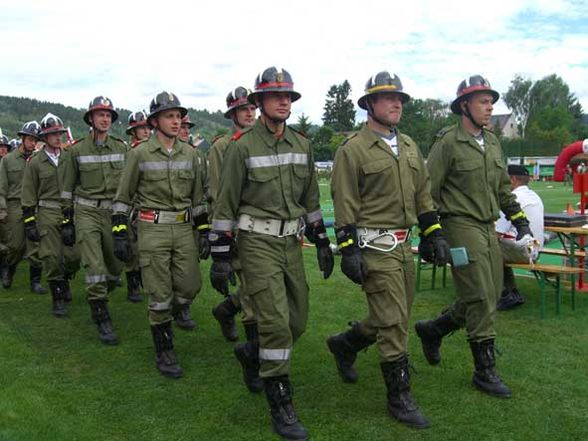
<point>468,114</point>
<point>275,121</point>
<point>236,121</point>
<point>167,135</point>
<point>375,118</point>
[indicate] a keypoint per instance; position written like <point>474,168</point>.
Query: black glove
<point>352,262</point>
<point>68,230</point>
<point>120,234</point>
<point>435,249</point>
<point>221,271</point>
<point>317,234</point>
<point>200,224</point>
<point>522,226</point>
<point>30,224</point>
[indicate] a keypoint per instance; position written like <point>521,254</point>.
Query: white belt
<point>272,227</point>
<point>381,239</point>
<point>165,217</point>
<point>49,204</point>
<point>96,203</point>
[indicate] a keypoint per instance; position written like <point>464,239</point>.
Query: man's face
<point>53,140</point>
<point>277,105</point>
<point>184,134</point>
<point>480,106</point>
<point>387,107</point>
<point>3,151</point>
<point>245,115</point>
<point>29,143</point>
<point>142,132</point>
<point>169,122</point>
<point>101,120</point>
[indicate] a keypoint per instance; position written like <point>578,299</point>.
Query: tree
<point>518,99</point>
<point>339,111</point>
<point>303,125</point>
<point>551,126</point>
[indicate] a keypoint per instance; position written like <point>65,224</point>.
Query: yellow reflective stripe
<point>346,243</point>
<point>203,227</point>
<point>519,215</point>
<point>29,219</point>
<point>119,228</point>
<point>383,87</point>
<point>431,229</point>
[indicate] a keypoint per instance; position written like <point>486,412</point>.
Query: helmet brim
<point>21,133</point>
<point>362,102</point>
<point>456,107</point>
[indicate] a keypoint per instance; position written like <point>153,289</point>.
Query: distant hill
<point>14,112</point>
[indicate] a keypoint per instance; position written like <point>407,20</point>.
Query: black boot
<point>510,298</point>
<point>101,317</point>
<point>284,420</point>
<point>485,377</point>
<point>431,333</point>
<point>225,313</point>
<point>165,358</point>
<point>400,403</point>
<point>248,356</point>
<point>57,294</point>
<point>134,286</point>
<point>345,347</point>
<point>182,317</point>
<point>35,273</point>
<point>8,275</point>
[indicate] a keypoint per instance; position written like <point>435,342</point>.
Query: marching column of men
<point>147,209</point>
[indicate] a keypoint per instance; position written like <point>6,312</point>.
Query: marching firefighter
<point>41,208</point>
<point>11,173</point>
<point>138,129</point>
<point>162,179</point>
<point>268,189</point>
<point>242,113</point>
<point>380,189</point>
<point>91,175</point>
<point>470,186</point>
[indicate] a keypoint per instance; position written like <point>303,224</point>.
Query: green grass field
<point>58,382</point>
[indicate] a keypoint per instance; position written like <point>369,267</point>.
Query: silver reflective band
<point>222,224</point>
<point>274,354</point>
<point>315,216</point>
<point>95,203</point>
<point>96,279</point>
<point>199,209</point>
<point>220,249</point>
<point>276,160</point>
<point>66,195</point>
<point>93,159</point>
<point>49,204</point>
<point>160,306</point>
<point>165,165</point>
<point>120,207</point>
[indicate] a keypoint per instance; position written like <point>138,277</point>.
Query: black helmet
<point>235,99</point>
<point>380,83</point>
<point>474,84</point>
<point>51,124</point>
<point>31,128</point>
<point>186,120</point>
<point>13,144</point>
<point>137,119</point>
<point>165,101</point>
<point>273,80</point>
<point>4,140</point>
<point>100,103</point>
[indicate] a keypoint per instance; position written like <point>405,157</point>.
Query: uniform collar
<point>157,145</point>
<point>269,139</point>
<point>465,136</point>
<point>374,139</point>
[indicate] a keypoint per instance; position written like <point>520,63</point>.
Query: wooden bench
<point>563,253</point>
<point>541,271</point>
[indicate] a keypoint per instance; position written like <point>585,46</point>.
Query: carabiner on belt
<point>364,241</point>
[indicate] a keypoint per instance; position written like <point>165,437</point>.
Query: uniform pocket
<point>90,176</point>
<point>384,311</point>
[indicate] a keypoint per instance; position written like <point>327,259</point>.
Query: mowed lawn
<point>57,382</point>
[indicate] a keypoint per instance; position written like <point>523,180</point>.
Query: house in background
<point>506,124</point>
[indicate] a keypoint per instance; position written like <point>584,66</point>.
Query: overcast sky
<point>70,51</point>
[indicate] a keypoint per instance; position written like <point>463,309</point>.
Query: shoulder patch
<point>76,141</point>
<point>138,142</point>
<point>119,140</point>
<point>237,135</point>
<point>349,138</point>
<point>216,138</point>
<point>444,131</point>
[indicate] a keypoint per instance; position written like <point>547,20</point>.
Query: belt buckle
<point>281,230</point>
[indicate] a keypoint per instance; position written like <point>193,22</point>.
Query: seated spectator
<point>532,205</point>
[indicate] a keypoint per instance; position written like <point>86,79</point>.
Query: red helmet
<point>470,86</point>
<point>235,99</point>
<point>137,119</point>
<point>100,103</point>
<point>52,124</point>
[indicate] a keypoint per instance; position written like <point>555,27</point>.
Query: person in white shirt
<point>532,205</point>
